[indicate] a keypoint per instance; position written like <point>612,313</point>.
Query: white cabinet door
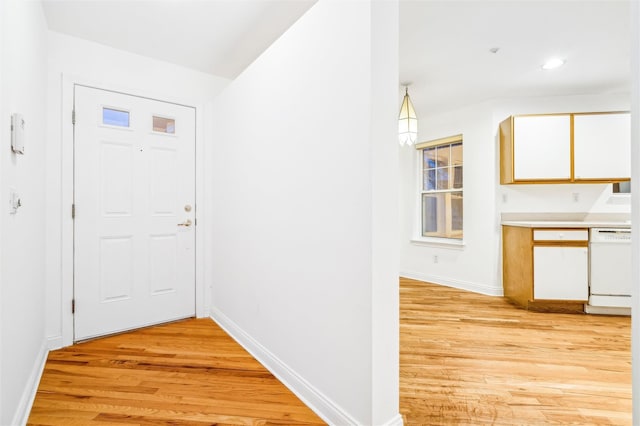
<point>542,147</point>
<point>560,273</point>
<point>602,146</point>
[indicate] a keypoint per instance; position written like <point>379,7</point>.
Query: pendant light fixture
<point>407,121</point>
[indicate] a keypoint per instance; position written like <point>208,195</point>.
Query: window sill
<point>451,243</point>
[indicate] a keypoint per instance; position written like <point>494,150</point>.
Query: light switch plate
<point>17,133</point>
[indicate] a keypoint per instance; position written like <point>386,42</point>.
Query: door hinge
<point>73,306</point>
<point>73,117</point>
<point>73,211</point>
<point>195,222</point>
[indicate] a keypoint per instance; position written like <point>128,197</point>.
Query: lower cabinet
<point>546,269</point>
<point>560,273</point>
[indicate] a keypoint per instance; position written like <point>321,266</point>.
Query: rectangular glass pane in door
<point>164,125</point>
<point>115,117</point>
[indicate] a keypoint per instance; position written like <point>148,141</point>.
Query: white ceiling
<point>444,45</point>
<point>444,49</point>
<point>220,37</point>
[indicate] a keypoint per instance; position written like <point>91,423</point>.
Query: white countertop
<point>566,224</point>
<point>567,220</point>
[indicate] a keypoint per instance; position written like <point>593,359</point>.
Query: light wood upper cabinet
<point>565,148</point>
<point>602,146</point>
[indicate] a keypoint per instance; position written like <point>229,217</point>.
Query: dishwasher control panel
<point>612,235</point>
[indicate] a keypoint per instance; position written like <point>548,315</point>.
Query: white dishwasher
<point>610,269</point>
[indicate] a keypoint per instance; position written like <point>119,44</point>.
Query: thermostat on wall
<point>17,133</point>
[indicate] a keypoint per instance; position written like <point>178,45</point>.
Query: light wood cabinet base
<point>517,264</point>
<point>518,273</point>
<point>562,307</point>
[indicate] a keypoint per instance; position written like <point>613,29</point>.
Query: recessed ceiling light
<point>553,63</point>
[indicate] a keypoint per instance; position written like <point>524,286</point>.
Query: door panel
<point>116,166</point>
<point>116,268</point>
<point>134,265</point>
<point>164,177</point>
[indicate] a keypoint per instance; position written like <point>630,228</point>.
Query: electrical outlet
<point>575,196</point>
<point>504,197</point>
<point>14,201</point>
<point>435,259</point>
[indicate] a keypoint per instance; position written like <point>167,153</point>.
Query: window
<point>164,125</point>
<point>622,187</point>
<point>115,117</point>
<point>441,187</point>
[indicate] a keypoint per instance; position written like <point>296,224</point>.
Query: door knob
<point>185,223</point>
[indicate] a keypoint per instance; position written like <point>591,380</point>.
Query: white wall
<point>2,142</point>
<point>385,258</point>
<point>22,268</point>
<point>476,265</point>
<point>635,208</point>
<point>88,62</point>
<point>297,166</point>
<point>473,265</point>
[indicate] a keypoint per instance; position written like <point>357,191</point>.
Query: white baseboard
<point>607,310</point>
<point>396,421</point>
<point>23,410</point>
<point>489,290</point>
<point>54,342</point>
<point>314,399</point>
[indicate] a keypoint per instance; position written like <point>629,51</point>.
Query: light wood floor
<point>465,359</point>
<point>188,372</point>
<point>470,359</point>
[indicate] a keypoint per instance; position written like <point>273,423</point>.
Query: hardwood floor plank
<point>186,409</point>
<point>465,359</point>
<point>188,372</point>
<point>471,359</point>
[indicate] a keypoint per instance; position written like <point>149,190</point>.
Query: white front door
<point>134,228</point>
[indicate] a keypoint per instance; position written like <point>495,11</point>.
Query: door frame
<point>67,191</point>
